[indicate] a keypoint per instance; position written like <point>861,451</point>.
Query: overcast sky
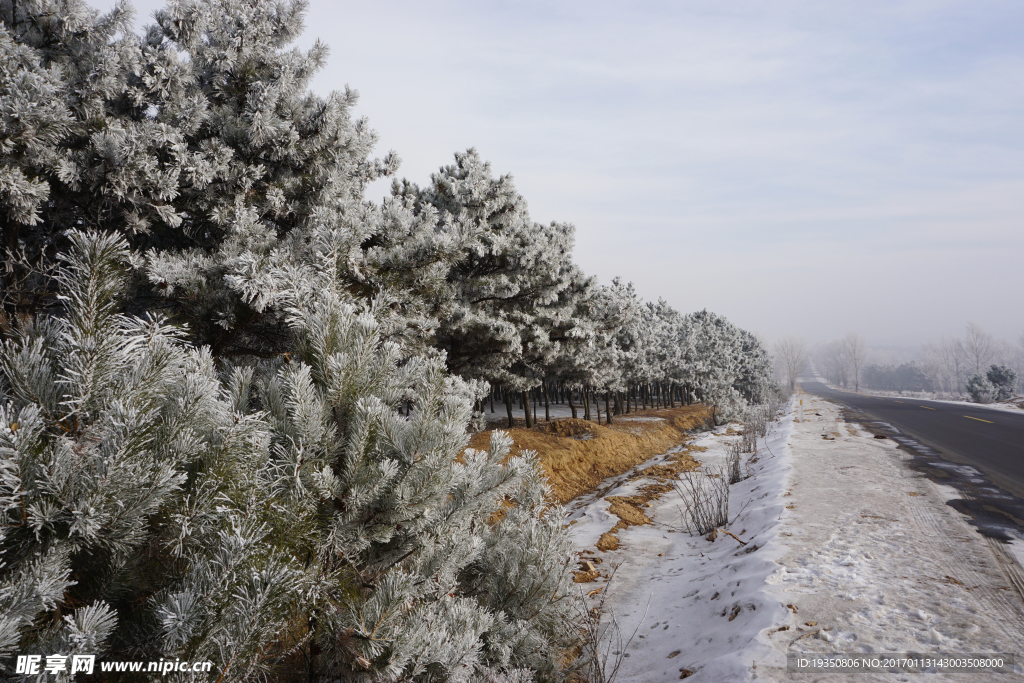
<point>800,167</point>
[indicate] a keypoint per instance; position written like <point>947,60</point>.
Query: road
<point>991,441</point>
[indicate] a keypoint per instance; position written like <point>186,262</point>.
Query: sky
<point>803,168</point>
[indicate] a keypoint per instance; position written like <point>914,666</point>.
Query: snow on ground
<point>556,410</point>
<point>921,395</point>
<point>699,604</point>
<point>1017,550</point>
<point>848,551</point>
<point>874,556</point>
<point>1015,406</point>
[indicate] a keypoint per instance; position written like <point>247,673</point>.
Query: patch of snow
<point>706,600</point>
<point>947,493</point>
<point>878,561</point>
<point>865,551</point>
<point>1014,406</point>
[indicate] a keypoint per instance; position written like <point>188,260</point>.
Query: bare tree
<point>835,362</point>
<point>791,356</point>
<point>979,348</point>
<point>856,355</point>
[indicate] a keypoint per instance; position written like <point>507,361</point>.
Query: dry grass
<point>586,577</point>
<point>609,540</point>
<point>627,508</point>
<point>577,455</point>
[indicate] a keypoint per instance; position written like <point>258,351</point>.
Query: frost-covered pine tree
<point>273,164</point>
<point>271,518</point>
<point>589,352</point>
<point>716,361</point>
<point>64,72</point>
<point>199,142</point>
<point>509,272</point>
<point>980,389</point>
<point>312,514</point>
<point>1003,379</point>
<point>709,358</point>
<point>103,419</point>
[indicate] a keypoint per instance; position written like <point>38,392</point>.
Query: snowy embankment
<point>847,551</point>
<point>699,604</point>
<point>1015,405</point>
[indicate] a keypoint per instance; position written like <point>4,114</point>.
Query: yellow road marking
<point>898,401</point>
<point>926,407</point>
<point>979,419</point>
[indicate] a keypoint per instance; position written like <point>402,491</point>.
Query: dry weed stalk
<point>705,497</point>
<point>604,647</point>
<point>733,458</point>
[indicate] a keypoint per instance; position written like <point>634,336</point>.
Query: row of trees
<point>951,362</point>
<point>843,360</point>
<point>951,366</point>
<point>656,358</point>
<point>234,394</point>
<point>903,377</point>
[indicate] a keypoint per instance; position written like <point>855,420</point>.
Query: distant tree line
<point>951,362</point>
<point>904,377</point>
<point>975,366</point>
<point>843,360</point>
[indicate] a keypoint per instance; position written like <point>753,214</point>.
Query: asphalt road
<point>991,441</point>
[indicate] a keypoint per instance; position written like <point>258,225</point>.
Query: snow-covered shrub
<point>755,424</point>
<point>1003,380</point>
<point>980,389</point>
<point>434,583</point>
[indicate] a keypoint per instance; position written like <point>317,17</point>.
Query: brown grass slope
<point>577,455</point>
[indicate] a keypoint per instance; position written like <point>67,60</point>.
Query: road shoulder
<point>873,560</point>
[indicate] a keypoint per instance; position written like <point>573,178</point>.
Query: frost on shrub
<point>1003,380</point>
<point>981,389</point>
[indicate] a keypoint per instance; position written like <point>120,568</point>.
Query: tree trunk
<point>586,404</point>
<point>547,408</point>
<point>526,410</point>
<point>508,409</point>
<point>572,406</point>
<point>607,407</point>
